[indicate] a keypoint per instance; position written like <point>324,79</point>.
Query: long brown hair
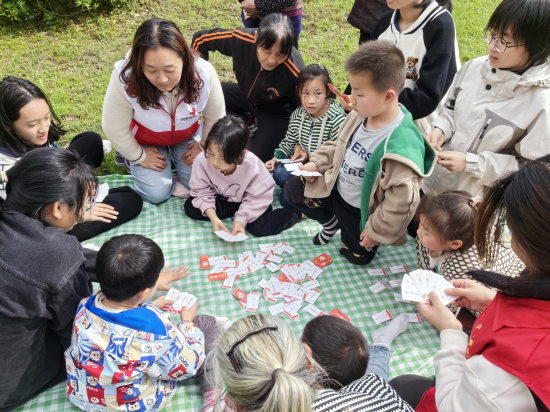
<point>152,34</point>
<point>522,200</point>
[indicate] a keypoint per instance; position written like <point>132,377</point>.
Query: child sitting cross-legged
<point>373,172</point>
<point>316,121</point>
<point>229,181</point>
<point>125,351</point>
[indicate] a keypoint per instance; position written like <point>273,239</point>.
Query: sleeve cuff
<point>444,125</point>
<point>241,219</point>
<point>454,339</point>
<point>279,155</point>
<point>205,206</point>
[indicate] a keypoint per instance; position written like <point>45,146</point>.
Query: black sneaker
<point>119,159</point>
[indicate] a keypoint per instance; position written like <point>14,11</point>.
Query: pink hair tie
<point>474,201</point>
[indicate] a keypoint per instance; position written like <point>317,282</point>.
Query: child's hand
<point>366,241</point>
<point>438,314</point>
<point>452,161</point>
<point>270,165</point>
<point>348,107</point>
<point>436,138</point>
<point>101,212</point>
<point>162,302</point>
<point>217,225</point>
<point>310,167</point>
<point>299,153</point>
<point>170,275</point>
<point>189,314</point>
<point>238,228</point>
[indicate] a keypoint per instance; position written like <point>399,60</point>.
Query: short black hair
<point>314,71</point>
<point>383,61</point>
<point>276,28</point>
<point>231,135</point>
<point>127,265</point>
<point>527,21</point>
<point>339,347</point>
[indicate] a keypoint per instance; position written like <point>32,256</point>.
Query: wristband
<point>132,161</point>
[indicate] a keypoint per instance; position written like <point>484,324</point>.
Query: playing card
<point>337,313</point>
<point>292,308</point>
<point>314,273</point>
<point>240,294</point>
<point>252,302</point>
<point>217,276</point>
<point>102,192</point>
<point>314,310</point>
<point>228,237</point>
<point>273,258</point>
<point>279,249</point>
<point>269,296</point>
<point>276,309</point>
<point>241,304</point>
<point>376,272</point>
<point>312,296</point>
<point>273,287</point>
<point>246,256</point>
<point>441,285</point>
<point>421,279</point>
<point>229,282</point>
<point>272,267</point>
<point>173,294</point>
<point>396,283</point>
<point>288,248</point>
<point>205,264</point>
<point>378,286</point>
<point>399,269</point>
<point>189,301</point>
<point>399,298</point>
<point>311,285</point>
<point>292,166</point>
<point>214,261</point>
<point>382,317</point>
<point>285,161</point>
<point>409,290</point>
<point>284,288</point>
<point>414,317</point>
<point>91,247</point>
<point>297,292</point>
<point>418,284</point>
<point>322,260</point>
<point>267,247</point>
<point>305,173</point>
<point>263,283</point>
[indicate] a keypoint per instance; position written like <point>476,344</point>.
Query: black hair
<point>447,4</point>
<point>14,94</point>
<point>276,28</point>
<point>48,175</point>
<point>339,347</point>
<point>527,21</point>
<point>127,265</point>
<point>231,135</point>
<point>314,71</point>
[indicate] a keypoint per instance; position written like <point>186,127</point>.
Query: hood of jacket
<point>35,258</point>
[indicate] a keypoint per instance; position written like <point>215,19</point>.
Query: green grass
<point>72,63</point>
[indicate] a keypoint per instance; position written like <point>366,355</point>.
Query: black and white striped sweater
<point>368,394</point>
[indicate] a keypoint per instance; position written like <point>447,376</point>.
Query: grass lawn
<point>72,63</point>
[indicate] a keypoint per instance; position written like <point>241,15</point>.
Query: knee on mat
<point>133,202</point>
<point>280,175</point>
<point>294,190</point>
<point>191,211</point>
<point>155,194</point>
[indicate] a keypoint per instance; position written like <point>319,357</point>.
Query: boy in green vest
<point>373,172</point>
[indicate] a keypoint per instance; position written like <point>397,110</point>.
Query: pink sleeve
<point>257,198</point>
<point>201,187</point>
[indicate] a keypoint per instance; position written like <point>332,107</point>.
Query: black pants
<point>125,200</point>
<point>411,387</point>
<point>271,222</point>
<point>363,37</point>
<point>271,128</point>
<point>323,210</point>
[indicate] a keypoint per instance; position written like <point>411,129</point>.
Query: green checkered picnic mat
<point>344,286</point>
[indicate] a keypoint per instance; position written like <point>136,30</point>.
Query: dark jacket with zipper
<point>269,91</point>
<point>44,273</point>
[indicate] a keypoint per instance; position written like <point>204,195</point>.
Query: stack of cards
<point>305,173</point>
<point>228,237</point>
<point>180,299</point>
<point>417,286</point>
<point>283,161</point>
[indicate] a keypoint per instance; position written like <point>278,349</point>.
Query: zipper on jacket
<point>478,138</point>
<point>253,84</point>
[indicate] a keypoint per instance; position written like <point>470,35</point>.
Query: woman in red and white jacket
<point>504,364</point>
<point>153,106</point>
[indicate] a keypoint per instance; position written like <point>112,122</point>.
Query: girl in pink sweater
<point>229,181</point>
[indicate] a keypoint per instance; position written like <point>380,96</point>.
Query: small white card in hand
<point>314,310</point>
<point>399,269</point>
<point>252,301</point>
<point>418,284</point>
<point>102,192</point>
<point>273,258</point>
<point>286,161</point>
<point>292,166</point>
<point>228,237</point>
<point>414,317</point>
<point>173,294</point>
<point>305,173</point>
<point>382,317</point>
<point>378,286</point>
<point>272,267</point>
<point>376,272</point>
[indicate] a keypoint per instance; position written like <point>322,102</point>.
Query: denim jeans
<point>281,175</point>
<point>379,362</point>
<point>156,187</point>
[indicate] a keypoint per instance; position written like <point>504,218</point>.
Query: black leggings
<point>271,222</point>
<point>271,128</point>
<point>125,200</point>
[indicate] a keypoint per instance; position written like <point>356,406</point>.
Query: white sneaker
<point>223,324</point>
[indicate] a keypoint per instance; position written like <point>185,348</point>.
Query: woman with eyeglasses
<point>28,121</point>
<point>497,113</point>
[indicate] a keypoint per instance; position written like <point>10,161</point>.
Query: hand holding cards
<point>180,299</point>
<point>417,286</point>
<point>228,237</point>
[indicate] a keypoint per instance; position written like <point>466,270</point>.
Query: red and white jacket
<point>156,126</point>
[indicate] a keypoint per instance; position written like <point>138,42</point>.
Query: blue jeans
<point>379,362</point>
<point>281,175</point>
<point>156,187</point>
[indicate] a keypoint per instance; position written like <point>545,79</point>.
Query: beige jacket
<point>497,116</point>
<point>396,191</point>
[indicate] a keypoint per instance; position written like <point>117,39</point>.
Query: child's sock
<point>385,336</point>
<point>355,258</point>
<point>180,190</point>
<point>329,230</point>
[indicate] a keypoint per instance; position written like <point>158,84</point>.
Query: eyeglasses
<point>500,43</point>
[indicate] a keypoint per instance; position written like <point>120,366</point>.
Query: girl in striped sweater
<point>316,121</point>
